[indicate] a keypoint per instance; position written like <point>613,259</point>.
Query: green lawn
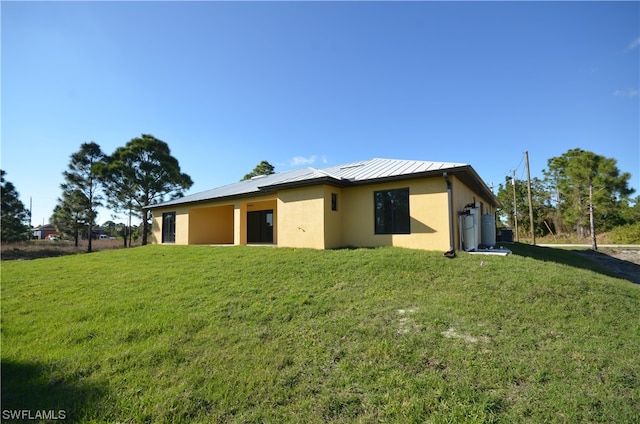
<point>199,334</point>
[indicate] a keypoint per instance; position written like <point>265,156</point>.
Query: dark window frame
<point>392,211</point>
<point>334,201</point>
<point>169,227</point>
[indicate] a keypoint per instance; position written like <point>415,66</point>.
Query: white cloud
<point>631,92</point>
<point>635,43</point>
<point>301,160</point>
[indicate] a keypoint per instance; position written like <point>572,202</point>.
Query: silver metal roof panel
<point>355,172</point>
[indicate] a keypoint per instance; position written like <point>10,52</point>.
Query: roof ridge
<point>324,172</point>
<point>419,160</point>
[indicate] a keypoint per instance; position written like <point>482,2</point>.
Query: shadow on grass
<point>30,394</point>
<point>584,259</point>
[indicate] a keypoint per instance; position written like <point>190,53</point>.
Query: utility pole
<point>533,230</point>
<point>594,245</point>
<point>30,215</point>
<point>515,207</point>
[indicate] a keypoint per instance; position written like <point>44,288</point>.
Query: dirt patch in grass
<point>624,263</point>
<point>452,333</point>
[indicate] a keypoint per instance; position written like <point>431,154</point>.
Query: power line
<point>522,173</point>
<point>521,160</point>
<point>512,172</point>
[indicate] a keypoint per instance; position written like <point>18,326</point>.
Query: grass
<point>201,334</point>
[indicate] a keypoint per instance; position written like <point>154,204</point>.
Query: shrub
<point>626,234</point>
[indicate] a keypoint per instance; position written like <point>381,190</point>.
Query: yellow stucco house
<point>376,202</point>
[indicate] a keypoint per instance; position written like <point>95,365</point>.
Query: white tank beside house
<point>471,230</point>
<point>488,230</point>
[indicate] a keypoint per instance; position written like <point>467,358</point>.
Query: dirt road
<point>623,262</point>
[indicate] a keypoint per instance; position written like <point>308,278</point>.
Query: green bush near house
<point>184,334</point>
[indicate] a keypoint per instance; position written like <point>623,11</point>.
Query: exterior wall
<point>156,236</point>
<point>300,218</point>
<point>214,222</point>
<point>211,225</point>
<point>462,196</point>
<point>428,209</point>
<point>182,224</point>
<point>333,219</point>
<point>43,232</point>
<point>303,217</point>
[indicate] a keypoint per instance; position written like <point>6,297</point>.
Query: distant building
<point>42,232</point>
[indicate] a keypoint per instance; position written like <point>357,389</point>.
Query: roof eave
<point>271,188</point>
<point>470,177</point>
<point>171,203</point>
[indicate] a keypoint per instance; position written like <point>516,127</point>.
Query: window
<point>169,227</point>
<point>334,202</point>
<point>392,211</point>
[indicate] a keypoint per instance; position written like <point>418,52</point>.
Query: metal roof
<point>373,169</point>
<point>367,171</point>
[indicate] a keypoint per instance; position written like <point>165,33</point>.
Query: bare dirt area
<point>625,263</point>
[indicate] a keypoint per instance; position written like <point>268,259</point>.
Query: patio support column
<point>240,224</point>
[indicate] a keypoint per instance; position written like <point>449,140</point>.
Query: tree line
<point>575,184</point>
<point>141,173</point>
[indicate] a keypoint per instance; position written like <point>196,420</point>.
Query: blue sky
<point>227,85</point>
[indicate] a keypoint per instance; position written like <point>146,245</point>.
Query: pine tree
<point>83,185</point>
<point>143,173</point>
<point>263,168</point>
<point>15,216</point>
<point>69,215</point>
